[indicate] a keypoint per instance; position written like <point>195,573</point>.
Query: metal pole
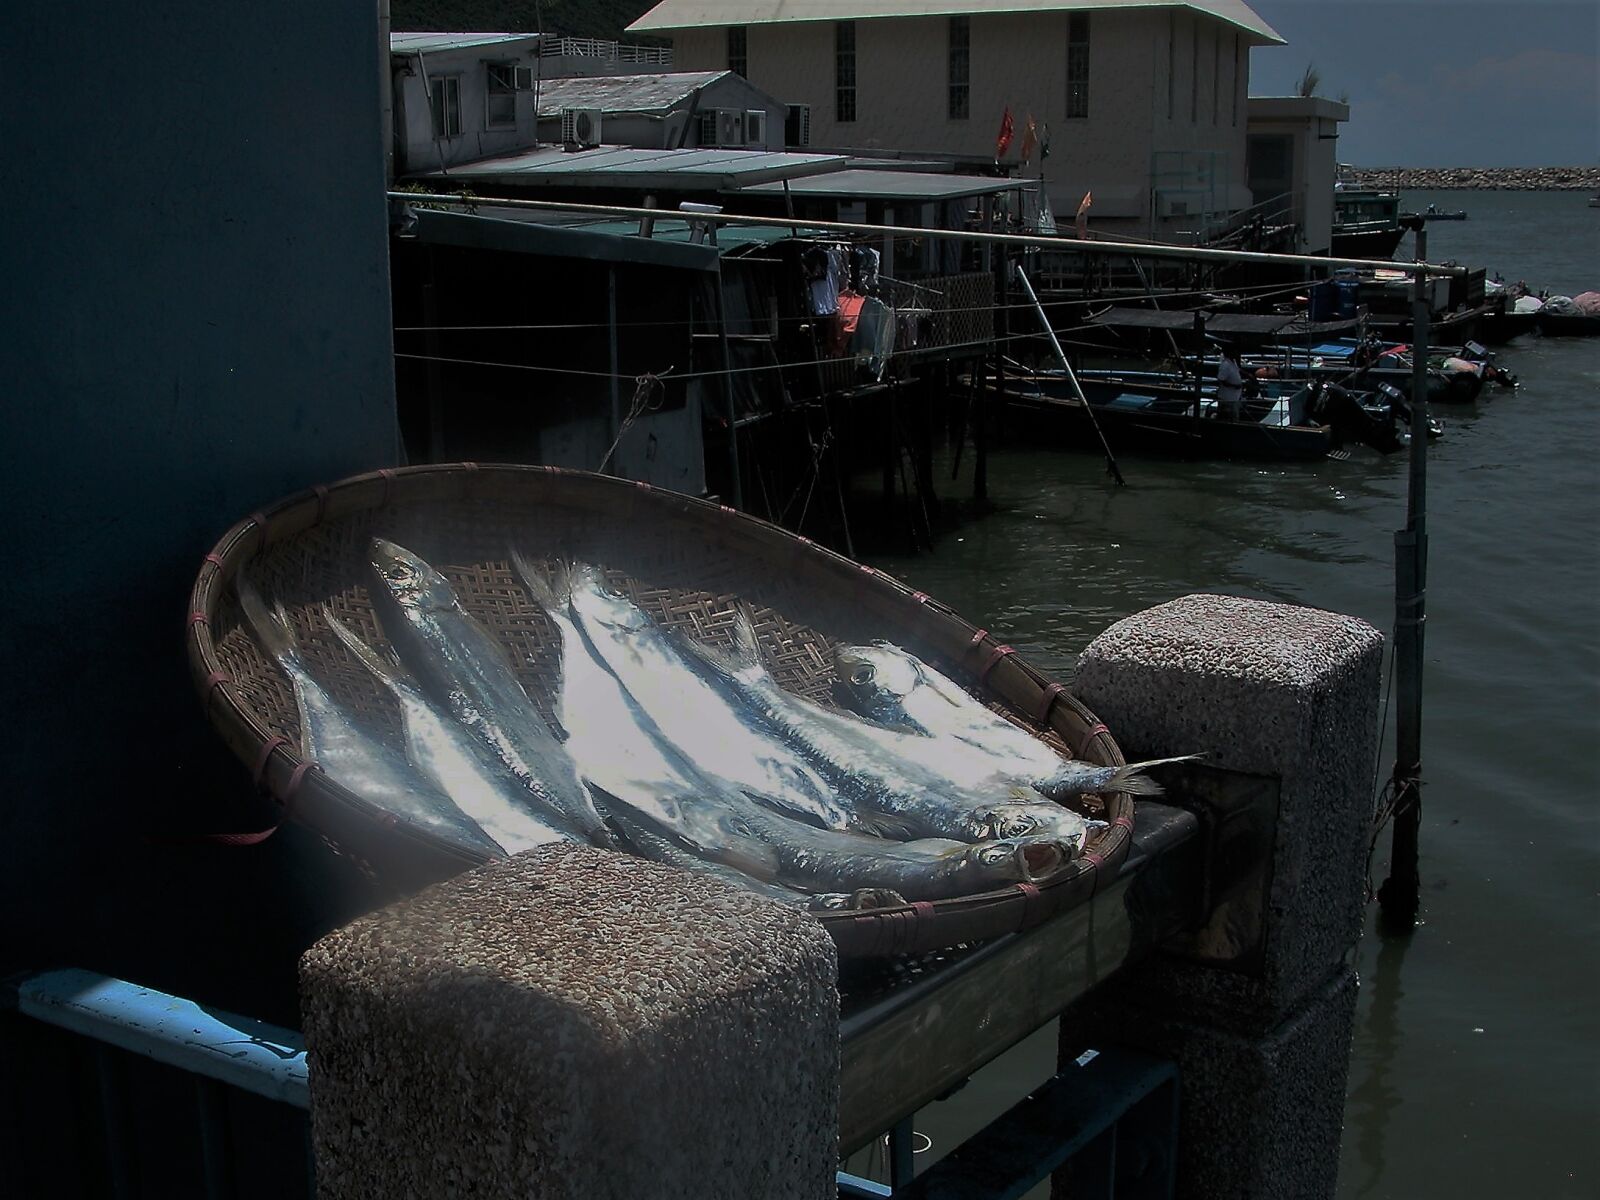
<point>1061,357</point>
<point>1400,896</point>
<point>1025,240</point>
<point>736,486</point>
<point>611,347</point>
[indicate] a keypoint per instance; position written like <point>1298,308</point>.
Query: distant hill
<point>574,18</point>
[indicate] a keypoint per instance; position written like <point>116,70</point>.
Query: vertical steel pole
<point>611,350</point>
<point>730,414</point>
<point>1400,896</point>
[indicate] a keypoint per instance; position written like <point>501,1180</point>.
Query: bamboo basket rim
<point>372,835</point>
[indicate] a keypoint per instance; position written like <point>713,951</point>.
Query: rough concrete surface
<point>1271,689</point>
<point>574,1023</point>
<point>1259,1117</point>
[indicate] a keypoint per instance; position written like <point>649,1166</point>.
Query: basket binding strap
<point>320,491</point>
<point>1047,703</point>
<point>992,661</point>
<point>1095,731</point>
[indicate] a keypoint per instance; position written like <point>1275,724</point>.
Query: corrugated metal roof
<point>893,185</point>
<point>559,241</point>
<point>646,170</point>
<point>623,93</point>
<point>694,14</point>
<point>427,43</point>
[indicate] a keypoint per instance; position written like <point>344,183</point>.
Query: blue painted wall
<point>195,322</point>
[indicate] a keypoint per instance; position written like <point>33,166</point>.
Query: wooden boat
<point>687,562</point>
<point>1567,324</point>
<point>1132,409</point>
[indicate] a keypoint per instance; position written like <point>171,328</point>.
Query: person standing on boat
<point>1230,382</point>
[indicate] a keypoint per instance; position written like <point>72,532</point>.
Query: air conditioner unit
<point>580,126</point>
<point>797,125</point>
<point>755,127</point>
<point>730,127</point>
<point>524,79</point>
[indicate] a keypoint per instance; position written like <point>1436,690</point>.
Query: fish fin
<point>552,594</point>
<point>742,661</point>
<point>885,825</point>
<point>270,625</point>
<point>1133,780</point>
<point>368,657</point>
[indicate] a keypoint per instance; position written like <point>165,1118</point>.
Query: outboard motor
<point>1342,411</point>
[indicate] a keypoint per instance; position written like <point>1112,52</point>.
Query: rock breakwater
<point>1525,179</point>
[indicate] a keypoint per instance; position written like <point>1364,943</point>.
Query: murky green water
<point>1476,1068</point>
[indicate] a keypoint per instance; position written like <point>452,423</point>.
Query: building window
<point>1172,60</point>
<point>1078,64</point>
<point>444,98</point>
<point>844,71</point>
<point>1194,72</point>
<point>1238,79</point>
<point>960,61</point>
<point>500,99</point>
<point>1216,75</point>
<point>738,51</point>
<point>960,68</point>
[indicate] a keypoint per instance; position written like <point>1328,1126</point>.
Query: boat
<point>1433,214</point>
<point>1162,412</point>
<point>1363,365</point>
<point>1594,200</point>
<point>1366,223</point>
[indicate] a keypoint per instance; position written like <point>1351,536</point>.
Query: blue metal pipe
<point>244,1053</point>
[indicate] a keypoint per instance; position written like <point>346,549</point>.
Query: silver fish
<point>899,783</point>
<point>828,861</point>
<point>456,762</point>
<point>703,721</point>
<point>460,664</point>
<point>353,755</point>
<point>658,847</point>
<point>892,685</point>
<point>611,741</point>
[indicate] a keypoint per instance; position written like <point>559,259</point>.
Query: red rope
<point>995,656</point>
<point>1095,731</point>
<point>1047,703</point>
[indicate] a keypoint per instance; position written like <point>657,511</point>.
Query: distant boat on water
<point>1432,213</point>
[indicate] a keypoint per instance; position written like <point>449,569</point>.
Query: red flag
<point>1003,142</point>
<point>1030,138</point>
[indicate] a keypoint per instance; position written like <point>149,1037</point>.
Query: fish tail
<point>368,657</point>
<point>742,660</point>
<point>1133,780</point>
<point>271,626</point>
<point>553,594</point>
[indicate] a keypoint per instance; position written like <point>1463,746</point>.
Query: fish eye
<point>399,573</point>
<point>861,675</point>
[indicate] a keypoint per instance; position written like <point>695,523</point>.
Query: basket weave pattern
<point>687,563</point>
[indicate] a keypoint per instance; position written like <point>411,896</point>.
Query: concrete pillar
<point>574,1023</point>
<point>1257,1007</point>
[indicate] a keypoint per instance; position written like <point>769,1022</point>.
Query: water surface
<point>1476,1066</point>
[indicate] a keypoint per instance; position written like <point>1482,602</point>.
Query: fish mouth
<point>1041,860</point>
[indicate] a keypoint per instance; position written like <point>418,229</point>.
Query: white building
<point>1293,153</point>
<point>1144,100</point>
<point>672,110</point>
<point>459,97</point>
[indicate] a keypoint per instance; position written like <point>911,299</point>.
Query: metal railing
<point>571,47</point>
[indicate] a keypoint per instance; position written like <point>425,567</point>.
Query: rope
<point>648,395</point>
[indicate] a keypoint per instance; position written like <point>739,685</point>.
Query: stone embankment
<point>1524,179</point>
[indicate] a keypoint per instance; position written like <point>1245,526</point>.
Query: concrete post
<point>574,1023</point>
<point>1290,693</point>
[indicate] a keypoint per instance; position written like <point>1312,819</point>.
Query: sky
<point>1446,83</point>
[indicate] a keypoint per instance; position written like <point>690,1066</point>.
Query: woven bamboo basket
<point>687,562</point>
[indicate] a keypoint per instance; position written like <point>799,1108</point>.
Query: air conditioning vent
<point>797,125</point>
<point>580,127</point>
<point>755,127</point>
